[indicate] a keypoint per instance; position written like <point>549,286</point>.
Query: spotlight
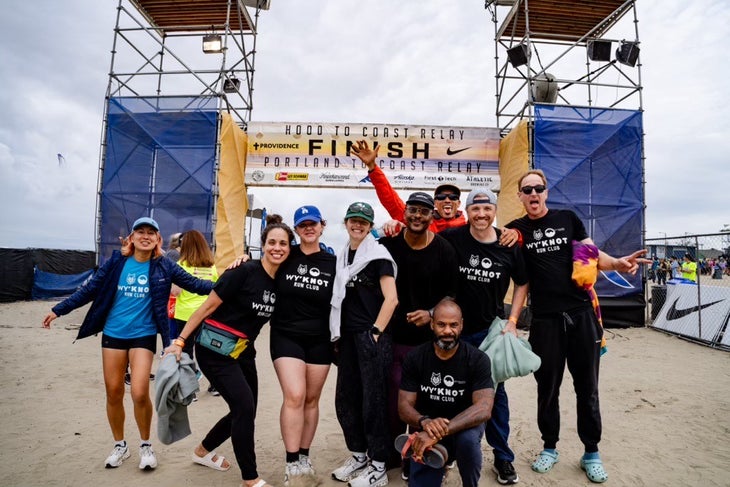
<point>231,85</point>
<point>544,89</point>
<point>518,55</point>
<point>599,50</point>
<point>628,53</point>
<point>212,44</point>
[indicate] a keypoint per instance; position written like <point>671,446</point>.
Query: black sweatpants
<point>573,337</point>
<point>361,397</point>
<point>237,381</point>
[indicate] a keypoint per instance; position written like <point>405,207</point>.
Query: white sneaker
<point>292,469</point>
<point>305,465</point>
<point>349,469</point>
<point>117,456</point>
<point>147,459</point>
<point>370,477</point>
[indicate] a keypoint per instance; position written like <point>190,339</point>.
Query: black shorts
<point>316,350</point>
<point>149,342</point>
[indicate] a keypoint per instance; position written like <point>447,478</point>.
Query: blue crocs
<point>593,467</point>
<point>545,461</point>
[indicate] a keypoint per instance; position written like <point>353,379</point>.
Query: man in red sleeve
<point>446,197</point>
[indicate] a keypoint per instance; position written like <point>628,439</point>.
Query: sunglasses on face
<point>450,196</point>
<point>361,208</point>
<point>417,210</point>
<point>539,189</point>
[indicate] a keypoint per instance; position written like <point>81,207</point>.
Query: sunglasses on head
<point>539,189</point>
<point>442,196</point>
<point>361,208</point>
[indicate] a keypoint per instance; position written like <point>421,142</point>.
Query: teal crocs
<point>594,470</point>
<point>545,461</point>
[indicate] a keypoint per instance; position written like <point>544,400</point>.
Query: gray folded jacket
<point>510,356</point>
<point>175,388</point>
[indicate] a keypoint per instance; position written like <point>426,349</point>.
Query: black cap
<point>448,187</point>
<point>420,198</point>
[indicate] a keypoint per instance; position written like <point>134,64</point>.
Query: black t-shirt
<point>485,270</point>
<point>548,251</point>
<point>363,296</point>
<point>304,291</point>
<point>425,277</point>
<point>444,387</point>
<point>248,294</point>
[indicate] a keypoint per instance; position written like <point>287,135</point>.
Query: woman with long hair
<point>129,294</point>
<point>196,259</point>
<point>230,319</point>
<point>300,338</point>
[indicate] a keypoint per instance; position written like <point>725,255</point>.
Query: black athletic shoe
<point>506,474</point>
<point>128,379</point>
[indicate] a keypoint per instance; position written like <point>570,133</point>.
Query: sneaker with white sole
<point>147,458</point>
<point>305,465</point>
<point>349,470</point>
<point>117,456</point>
<point>506,474</point>
<point>370,477</point>
<point>291,470</point>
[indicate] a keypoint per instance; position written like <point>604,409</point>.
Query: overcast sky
<point>406,62</point>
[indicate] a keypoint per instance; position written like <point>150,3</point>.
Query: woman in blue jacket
<point>129,294</point>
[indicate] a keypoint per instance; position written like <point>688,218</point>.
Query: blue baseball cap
<point>145,220</point>
<point>307,214</point>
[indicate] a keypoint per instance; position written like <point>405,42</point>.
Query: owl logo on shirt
<point>474,260</point>
<point>436,378</point>
<point>537,234</point>
<point>131,279</point>
<point>267,295</point>
<point>302,269</point>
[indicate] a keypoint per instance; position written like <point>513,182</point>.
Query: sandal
<point>434,456</point>
<point>545,461</point>
<point>594,470</point>
<point>207,461</point>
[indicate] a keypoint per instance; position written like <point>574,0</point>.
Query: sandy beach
<point>665,406</point>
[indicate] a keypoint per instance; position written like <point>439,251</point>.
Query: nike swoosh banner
<point>681,311</point>
<point>312,154</point>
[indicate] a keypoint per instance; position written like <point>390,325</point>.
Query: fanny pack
<point>222,339</point>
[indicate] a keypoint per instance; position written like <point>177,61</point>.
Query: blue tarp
<point>592,160</point>
<point>47,285</point>
<point>159,162</point>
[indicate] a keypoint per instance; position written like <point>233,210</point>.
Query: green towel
<point>510,356</point>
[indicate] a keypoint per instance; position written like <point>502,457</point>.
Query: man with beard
<point>447,393</point>
<point>446,196</point>
<point>564,326</point>
<point>485,269</point>
<point>427,273</point>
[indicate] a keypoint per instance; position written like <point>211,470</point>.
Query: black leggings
<point>237,381</point>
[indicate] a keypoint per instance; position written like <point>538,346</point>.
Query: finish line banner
<point>413,157</point>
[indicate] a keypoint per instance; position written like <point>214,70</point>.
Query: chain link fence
<point>688,287</point>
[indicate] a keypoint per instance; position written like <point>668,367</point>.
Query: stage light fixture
<point>518,55</point>
<point>628,53</point>
<point>212,44</point>
<point>231,85</point>
<point>544,89</point>
<point>599,50</point>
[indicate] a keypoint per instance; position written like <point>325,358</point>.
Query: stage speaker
<point>518,55</point>
<point>544,89</point>
<point>627,53</point>
<point>599,50</point>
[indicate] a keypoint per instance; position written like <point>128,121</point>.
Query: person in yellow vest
<point>196,258</point>
<point>689,268</point>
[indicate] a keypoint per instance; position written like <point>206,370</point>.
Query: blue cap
<point>307,214</point>
<point>145,220</point>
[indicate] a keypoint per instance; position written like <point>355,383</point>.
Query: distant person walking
<point>129,296</point>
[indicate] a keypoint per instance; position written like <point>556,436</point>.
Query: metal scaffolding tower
<point>577,53</point>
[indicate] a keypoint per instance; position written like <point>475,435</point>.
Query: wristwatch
<point>375,330</point>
